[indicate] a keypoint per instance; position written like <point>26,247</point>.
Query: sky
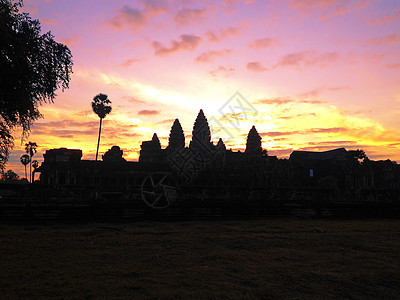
<point>309,74</point>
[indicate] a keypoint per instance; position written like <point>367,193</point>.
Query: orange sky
<point>311,74</point>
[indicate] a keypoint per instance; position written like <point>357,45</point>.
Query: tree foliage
<point>10,176</point>
<point>25,159</point>
<point>30,149</point>
<point>358,154</point>
<point>114,155</point>
<point>32,67</point>
<point>101,105</point>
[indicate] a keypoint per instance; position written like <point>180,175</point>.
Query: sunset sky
<point>311,74</point>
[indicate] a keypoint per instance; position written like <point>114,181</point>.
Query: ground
<point>283,258</point>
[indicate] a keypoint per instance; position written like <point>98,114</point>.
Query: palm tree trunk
<point>98,141</point>
<point>30,170</point>
<point>26,176</point>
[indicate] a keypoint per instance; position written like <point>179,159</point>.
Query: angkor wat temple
<point>211,168</point>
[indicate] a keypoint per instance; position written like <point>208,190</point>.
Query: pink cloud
<point>255,66</point>
<point>312,4</point>
<point>389,39</point>
<point>328,8</point>
<point>209,56</point>
<point>216,36</point>
<point>133,100</point>
<point>309,58</point>
<point>31,10</point>
<point>386,19</point>
<point>187,42</point>
<point>155,7</point>
<point>285,100</point>
<point>222,71</point>
<point>264,43</point>
<point>275,101</point>
<point>129,17</point>
<point>229,2</point>
<point>393,66</point>
<point>186,16</point>
<point>71,40</point>
<point>293,59</point>
<point>129,62</point>
<point>167,121</point>
<point>146,112</point>
<point>318,91</point>
<point>48,21</point>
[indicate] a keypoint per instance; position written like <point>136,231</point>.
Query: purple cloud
<point>187,42</point>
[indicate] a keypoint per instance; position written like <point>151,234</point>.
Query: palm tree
<point>101,106</point>
<point>30,149</point>
<point>25,160</point>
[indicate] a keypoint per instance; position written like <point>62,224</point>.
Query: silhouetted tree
<point>253,143</point>
<point>9,176</point>
<point>114,155</point>
<point>264,153</point>
<point>101,107</point>
<point>176,137</point>
<point>6,143</point>
<point>30,149</point>
<point>25,160</point>
<point>32,67</point>
<point>358,154</point>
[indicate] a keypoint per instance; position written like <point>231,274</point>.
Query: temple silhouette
<point>204,171</point>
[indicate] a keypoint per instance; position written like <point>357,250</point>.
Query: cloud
<point>386,19</point>
<point>393,66</point>
<point>209,56</point>
<point>229,2</point>
<point>129,62</point>
<point>129,17</point>
<point>264,43</point>
<point>71,40</point>
<point>146,112</point>
<point>285,100</point>
<point>305,131</point>
<point>216,36</point>
<point>222,71</point>
<point>186,16</point>
<point>327,8</point>
<point>309,58</point>
<point>32,10</point>
<point>63,124</point>
<point>318,91</point>
<point>386,40</point>
<point>167,121</point>
<point>275,101</point>
<point>155,7</point>
<point>333,143</point>
<point>48,21</point>
<point>255,66</point>
<point>133,100</point>
<point>187,42</point>
<point>311,4</point>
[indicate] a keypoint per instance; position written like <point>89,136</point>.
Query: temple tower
<point>176,137</point>
<point>151,150</point>
<point>201,135</point>
<point>253,143</point>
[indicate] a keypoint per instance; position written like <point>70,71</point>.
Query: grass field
<point>299,259</point>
